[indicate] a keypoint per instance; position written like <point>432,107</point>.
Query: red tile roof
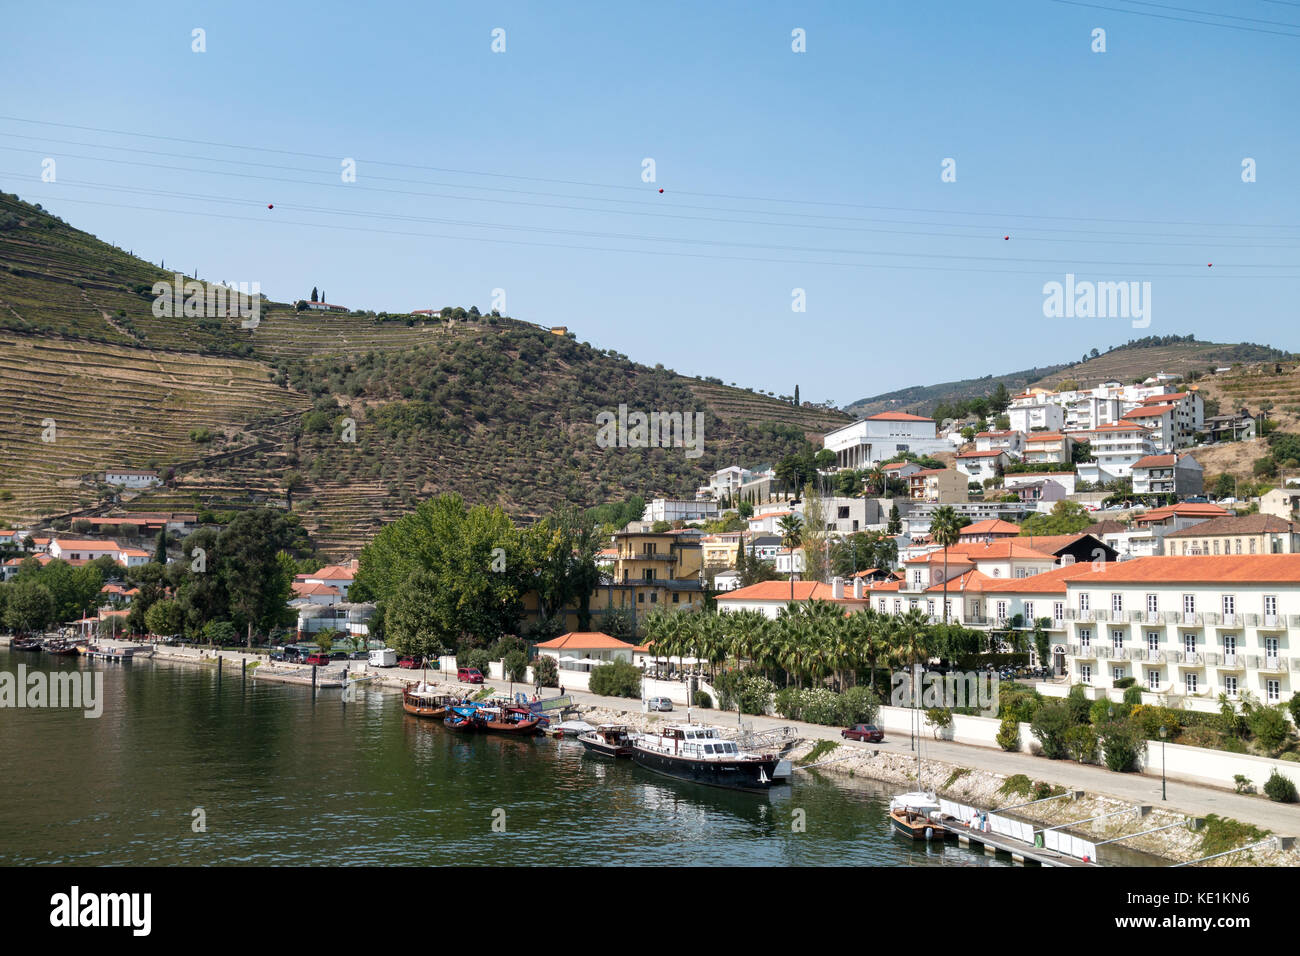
<point>1162,399</point>
<point>1152,411</point>
<point>1156,461</point>
<point>1225,569</point>
<point>589,641</point>
<point>897,417</point>
<point>780,591</point>
<point>991,526</point>
<point>1035,437</point>
<point>1185,510</point>
<point>981,454</point>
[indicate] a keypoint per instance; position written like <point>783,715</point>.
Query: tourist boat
<point>608,740</point>
<point>422,702</point>
<point>917,816</point>
<point>26,644</point>
<point>508,720</point>
<point>699,754</point>
<point>462,719</point>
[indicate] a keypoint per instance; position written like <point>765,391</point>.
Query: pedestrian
<point>561,690</point>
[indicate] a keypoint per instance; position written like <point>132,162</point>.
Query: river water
<point>279,778</point>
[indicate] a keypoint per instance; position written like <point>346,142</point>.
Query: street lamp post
<point>1164,731</point>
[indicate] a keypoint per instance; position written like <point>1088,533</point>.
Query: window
<point>1191,683</point>
<point>654,597</point>
<point>947,608</point>
<point>1029,611</point>
<point>916,578</point>
<point>1002,610</point>
<point>1117,603</point>
<point>1085,603</point>
<point>1237,547</point>
<point>929,608</point>
<point>1189,603</point>
<point>1189,644</point>
<point>1116,673</point>
<point>1230,686</point>
<point>1117,640</point>
<point>1216,545</point>
<point>882,605</point>
<point>640,598</point>
<point>1058,610</point>
<point>1253,542</point>
<point>898,606</point>
<point>1085,637</point>
<point>1229,604</point>
<point>1085,674</point>
<point>1153,603</point>
<point>675,597</point>
<point>1270,648</point>
<point>1153,679</point>
<point>1270,604</point>
<point>1273,690</point>
<point>1153,641</point>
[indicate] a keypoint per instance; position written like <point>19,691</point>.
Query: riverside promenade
<point>1192,799</point>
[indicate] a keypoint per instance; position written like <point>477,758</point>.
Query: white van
<point>384,657</point>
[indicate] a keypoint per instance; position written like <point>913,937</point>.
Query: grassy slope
<point>515,422</point>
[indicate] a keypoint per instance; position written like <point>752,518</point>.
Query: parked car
<point>317,659</point>
<point>867,733</point>
<point>659,703</point>
<point>469,675</point>
<point>408,663</point>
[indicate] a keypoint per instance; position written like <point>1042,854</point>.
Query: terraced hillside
<point>494,408</point>
<point>73,408</point>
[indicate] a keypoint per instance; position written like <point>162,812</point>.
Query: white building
<point>979,465</point>
<point>1168,474</point>
<point>128,478</point>
<point>1033,412</point>
<point>883,436</point>
<point>1115,448</point>
<point>726,483</point>
<point>678,509</point>
<point>1190,628</point>
<point>1010,441</point>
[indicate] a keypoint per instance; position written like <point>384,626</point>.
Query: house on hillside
<point>1178,475</point>
<point>131,478</point>
<point>881,437</point>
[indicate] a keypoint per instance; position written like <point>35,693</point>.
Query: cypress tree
<point>160,548</point>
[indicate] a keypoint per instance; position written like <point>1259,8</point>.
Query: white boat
<point>569,728</point>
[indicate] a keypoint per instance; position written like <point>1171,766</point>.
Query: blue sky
<point>819,171</point>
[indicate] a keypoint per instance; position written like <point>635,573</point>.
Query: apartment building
<point>1189,628</point>
<point>938,485</point>
<point>679,509</point>
<point>1248,534</point>
<point>1028,412</point>
<point>1011,441</point>
<point>1115,449</point>
<point>1168,474</point>
<point>980,465</point>
<point>1050,447</point>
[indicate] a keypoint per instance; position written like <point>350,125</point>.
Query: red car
<point>317,659</point>
<point>867,733</point>
<point>409,663</point>
<point>469,675</point>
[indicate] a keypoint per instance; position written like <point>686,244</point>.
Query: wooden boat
<point>60,648</point>
<point>461,719</point>
<point>608,740</point>
<point>426,704</point>
<point>508,720</point>
<point>918,826</point>
<point>26,644</point>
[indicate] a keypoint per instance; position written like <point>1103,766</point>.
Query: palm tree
<point>791,528</point>
<point>945,529</point>
<point>876,478</point>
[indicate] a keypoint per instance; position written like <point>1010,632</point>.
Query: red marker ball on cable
<point>1209,265</point>
<point>1006,237</point>
<point>661,189</point>
<point>270,206</point>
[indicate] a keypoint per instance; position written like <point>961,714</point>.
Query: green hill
<point>1122,363</point>
<point>494,408</point>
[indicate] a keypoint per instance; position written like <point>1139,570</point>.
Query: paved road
<point>1190,798</point>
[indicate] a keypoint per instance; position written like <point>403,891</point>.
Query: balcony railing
<point>1191,617</point>
<point>1234,661</point>
<point>1192,660</point>
<point>1273,620</point>
<point>1273,664</point>
<point>1229,620</point>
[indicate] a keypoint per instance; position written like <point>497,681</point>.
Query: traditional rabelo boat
<point>26,644</point>
<point>699,754</point>
<point>509,720</point>
<point>61,648</point>
<point>608,740</point>
<point>422,702</point>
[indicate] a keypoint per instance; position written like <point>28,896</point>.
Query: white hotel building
<point>883,436</point>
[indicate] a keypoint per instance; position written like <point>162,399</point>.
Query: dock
<point>1019,851</point>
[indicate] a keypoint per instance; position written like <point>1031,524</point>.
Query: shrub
<point>1220,834</point>
<point>1270,727</point>
<point>789,703</point>
<point>819,706</point>
<point>1280,788</point>
<point>546,672</point>
<point>1243,783</point>
<point>1042,790</point>
<point>1133,696</point>
<point>1293,704</point>
<point>939,718</point>
<point>516,665</point>
<point>1081,743</point>
<point>478,658</point>
<point>616,679</point>
<point>1148,721</point>
<point>859,705</point>
<point>1009,734</point>
<point>1049,726</point>
<point>1104,711</point>
<point>1120,746</point>
<point>1077,704</point>
<point>1124,683</point>
<point>702,699</point>
<point>1017,785</point>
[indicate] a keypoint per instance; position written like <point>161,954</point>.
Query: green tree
<point>160,547</point>
<point>945,529</point>
<point>1066,517</point>
<point>895,526</point>
<point>29,606</point>
<point>164,618</point>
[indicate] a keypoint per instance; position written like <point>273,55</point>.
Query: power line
<point>1201,274</point>
<point>639,189</point>
<point>1161,16</point>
